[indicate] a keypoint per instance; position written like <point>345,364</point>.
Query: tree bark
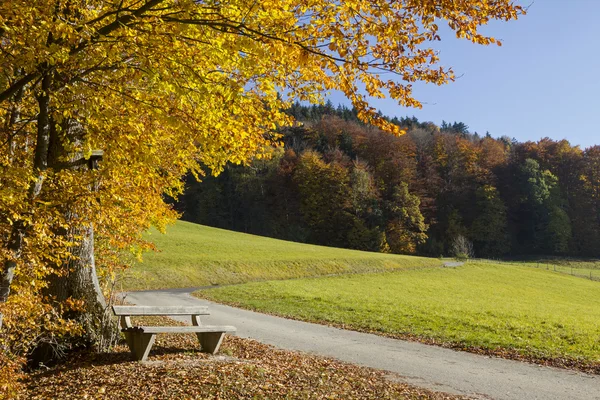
<point>100,329</point>
<point>14,117</point>
<point>81,281</point>
<point>15,244</point>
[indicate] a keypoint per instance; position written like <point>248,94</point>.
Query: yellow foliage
<point>165,87</point>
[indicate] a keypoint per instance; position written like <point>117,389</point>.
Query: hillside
<point>194,255</point>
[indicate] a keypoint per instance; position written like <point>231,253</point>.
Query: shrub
<point>462,248</point>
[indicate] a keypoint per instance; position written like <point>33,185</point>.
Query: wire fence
<point>581,270</point>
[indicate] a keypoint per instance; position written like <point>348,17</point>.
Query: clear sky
<point>543,81</point>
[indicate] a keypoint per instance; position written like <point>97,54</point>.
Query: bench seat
<point>180,329</point>
<point>141,338</point>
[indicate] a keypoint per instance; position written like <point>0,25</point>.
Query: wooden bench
<point>141,338</point>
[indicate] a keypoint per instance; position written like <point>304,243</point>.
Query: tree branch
<point>15,87</point>
<point>116,24</point>
<point>107,29</point>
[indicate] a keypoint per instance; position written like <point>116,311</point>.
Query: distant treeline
<point>338,182</point>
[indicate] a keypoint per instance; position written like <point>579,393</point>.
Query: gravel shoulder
<point>417,364</point>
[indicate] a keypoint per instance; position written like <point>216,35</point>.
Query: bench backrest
<point>160,310</point>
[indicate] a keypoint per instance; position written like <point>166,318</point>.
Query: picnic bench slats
<point>141,338</point>
<point>159,310</point>
<point>181,329</point>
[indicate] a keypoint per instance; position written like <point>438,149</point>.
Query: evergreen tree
<point>488,231</point>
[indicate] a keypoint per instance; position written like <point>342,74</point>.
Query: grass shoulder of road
<point>244,369</point>
<point>506,310</point>
<point>194,255</point>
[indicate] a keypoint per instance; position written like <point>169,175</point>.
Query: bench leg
<point>129,340</point>
<point>210,341</point>
<point>140,344</point>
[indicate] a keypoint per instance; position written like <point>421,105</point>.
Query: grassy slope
<point>531,311</point>
<point>582,268</point>
<point>195,255</point>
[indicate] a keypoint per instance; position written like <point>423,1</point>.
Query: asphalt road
<point>421,365</point>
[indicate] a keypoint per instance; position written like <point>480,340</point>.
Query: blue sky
<point>543,81</point>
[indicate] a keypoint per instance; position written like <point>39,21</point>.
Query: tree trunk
<point>15,241</point>
<point>15,244</point>
<point>81,281</point>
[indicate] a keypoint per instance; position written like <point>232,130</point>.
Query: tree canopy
<point>164,87</point>
<point>342,183</point>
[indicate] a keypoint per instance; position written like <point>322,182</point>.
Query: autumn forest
<point>119,117</point>
<point>339,182</point>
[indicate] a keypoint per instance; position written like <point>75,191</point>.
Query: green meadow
<point>582,268</point>
<point>194,255</point>
<point>535,309</point>
<point>535,312</point>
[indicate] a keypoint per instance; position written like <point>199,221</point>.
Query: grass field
<point>589,269</point>
<point>582,268</point>
<point>195,255</point>
<point>500,307</point>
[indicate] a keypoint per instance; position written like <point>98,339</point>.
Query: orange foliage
<point>165,87</point>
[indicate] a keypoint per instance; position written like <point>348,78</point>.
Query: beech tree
<point>324,190</point>
<point>168,86</point>
<point>407,227</point>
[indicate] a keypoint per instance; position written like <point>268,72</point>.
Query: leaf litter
<point>244,369</point>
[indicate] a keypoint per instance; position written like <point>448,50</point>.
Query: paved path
<point>453,264</point>
<point>418,364</point>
